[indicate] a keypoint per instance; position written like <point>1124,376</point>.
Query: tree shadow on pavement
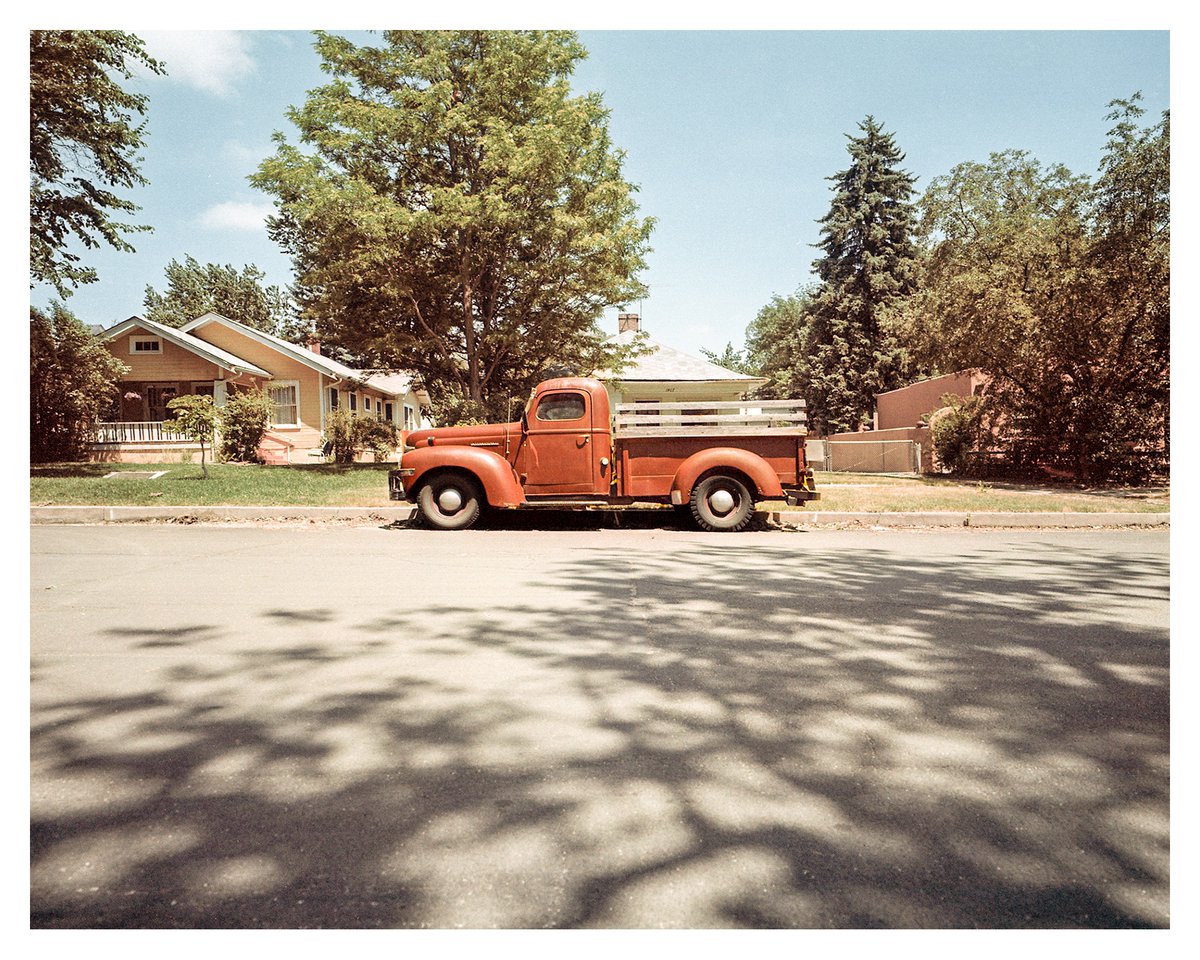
<point>710,737</point>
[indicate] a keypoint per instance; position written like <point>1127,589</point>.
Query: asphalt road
<point>322,726</point>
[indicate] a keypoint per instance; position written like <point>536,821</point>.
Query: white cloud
<point>210,60</point>
<point>236,216</point>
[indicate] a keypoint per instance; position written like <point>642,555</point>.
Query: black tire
<point>435,501</point>
<point>715,517</point>
<point>683,515</point>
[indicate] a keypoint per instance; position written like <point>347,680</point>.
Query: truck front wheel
<point>722,502</point>
<point>452,501</point>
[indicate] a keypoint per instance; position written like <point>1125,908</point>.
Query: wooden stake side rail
<point>711,405</point>
<point>729,431</point>
<point>701,418</point>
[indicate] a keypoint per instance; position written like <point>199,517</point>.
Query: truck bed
<point>652,439</point>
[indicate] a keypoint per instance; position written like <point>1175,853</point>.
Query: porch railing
<point>136,431</point>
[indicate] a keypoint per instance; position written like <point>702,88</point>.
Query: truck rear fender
<point>763,480</point>
<point>494,473</point>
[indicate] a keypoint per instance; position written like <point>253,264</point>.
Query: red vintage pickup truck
<point>714,460</point>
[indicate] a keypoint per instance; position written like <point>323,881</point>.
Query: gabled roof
<point>202,349</point>
<point>393,384</point>
<point>668,364</point>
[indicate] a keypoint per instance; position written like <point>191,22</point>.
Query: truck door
<point>558,456</point>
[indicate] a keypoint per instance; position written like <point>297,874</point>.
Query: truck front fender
<point>494,473</point>
<point>728,459</point>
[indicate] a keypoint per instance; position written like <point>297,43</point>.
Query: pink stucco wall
<point>906,406</point>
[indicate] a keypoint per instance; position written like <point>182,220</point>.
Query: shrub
<point>957,430</point>
<point>350,434</point>
<point>72,380</point>
<point>244,419</point>
<point>378,436</point>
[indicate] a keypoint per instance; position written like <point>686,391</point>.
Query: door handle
<point>583,441</point>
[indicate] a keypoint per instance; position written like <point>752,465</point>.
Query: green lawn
<point>315,485</point>
<point>878,493</point>
<point>365,485</point>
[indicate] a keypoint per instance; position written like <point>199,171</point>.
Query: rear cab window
<point>558,407</point>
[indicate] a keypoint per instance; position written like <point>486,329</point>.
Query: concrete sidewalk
<point>789,518</point>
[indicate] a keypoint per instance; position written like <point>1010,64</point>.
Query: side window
<point>561,406</point>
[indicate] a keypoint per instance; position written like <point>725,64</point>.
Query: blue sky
<point>730,136</point>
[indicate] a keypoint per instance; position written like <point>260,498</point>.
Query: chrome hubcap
<point>450,500</point>
<point>721,501</point>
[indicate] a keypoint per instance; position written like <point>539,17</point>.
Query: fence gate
<point>865,456</point>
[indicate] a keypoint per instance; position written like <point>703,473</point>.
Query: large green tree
<point>452,208</point>
<point>72,381</point>
<point>84,138</point>
<point>867,267</point>
<point>194,289</point>
<point>1059,288</point>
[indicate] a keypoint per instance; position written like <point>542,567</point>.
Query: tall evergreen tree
<point>868,265</point>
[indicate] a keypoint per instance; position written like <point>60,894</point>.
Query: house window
<point>333,398</point>
<point>285,395</point>
<point>367,404</point>
<point>141,345</point>
<point>353,402</point>
<point>387,413</point>
<point>410,418</point>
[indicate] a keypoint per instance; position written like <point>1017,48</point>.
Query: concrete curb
<point>789,518</point>
<point>209,514</point>
<point>820,518</point>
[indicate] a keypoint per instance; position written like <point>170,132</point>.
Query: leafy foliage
<point>1058,288</point>
<point>194,289</point>
<point>459,212</point>
<point>83,145</point>
<point>72,381</point>
<point>958,430</point>
<point>730,359</point>
<point>244,419</point>
<point>351,434</point>
<point>775,341</point>
<point>195,417</point>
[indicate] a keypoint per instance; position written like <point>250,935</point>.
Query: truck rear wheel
<point>721,502</point>
<point>451,501</point>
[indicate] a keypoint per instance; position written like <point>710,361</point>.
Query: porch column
<point>218,401</point>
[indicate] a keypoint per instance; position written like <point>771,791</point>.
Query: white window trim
<point>135,352</point>
<point>287,383</point>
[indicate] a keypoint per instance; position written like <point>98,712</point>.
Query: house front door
<point>158,395</point>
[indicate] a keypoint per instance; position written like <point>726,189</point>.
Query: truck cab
<point>567,440</point>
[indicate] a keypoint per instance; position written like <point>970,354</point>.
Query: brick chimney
<point>628,321</point>
<point>314,344</point>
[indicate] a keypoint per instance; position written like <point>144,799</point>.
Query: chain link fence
<point>864,456</point>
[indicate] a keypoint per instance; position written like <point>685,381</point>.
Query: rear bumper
<point>796,497</point>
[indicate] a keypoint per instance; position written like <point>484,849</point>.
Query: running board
<point>588,505</point>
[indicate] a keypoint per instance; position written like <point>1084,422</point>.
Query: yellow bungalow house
<point>212,355</point>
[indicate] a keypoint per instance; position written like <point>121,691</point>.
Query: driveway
<point>320,726</point>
